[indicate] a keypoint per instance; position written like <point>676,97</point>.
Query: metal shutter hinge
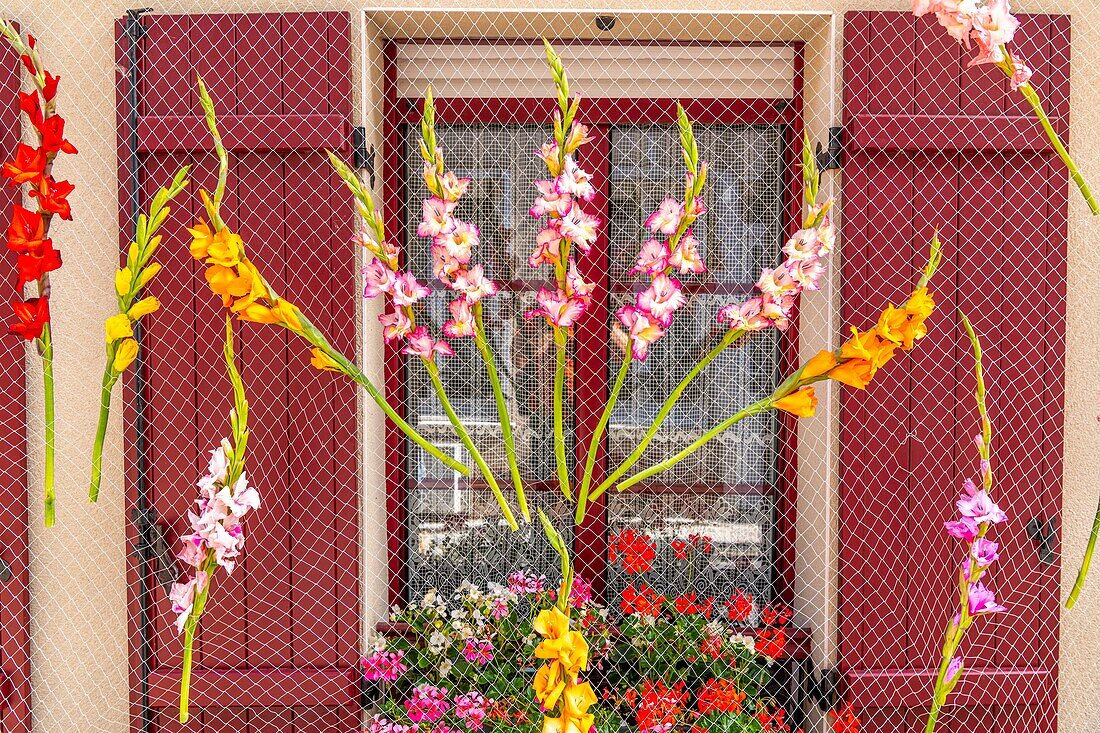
<point>831,158</point>
<point>362,154</point>
<point>152,544</point>
<point>5,571</point>
<point>1043,534</point>
<point>133,28</point>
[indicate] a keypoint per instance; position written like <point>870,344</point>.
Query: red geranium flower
<point>712,646</point>
<point>660,705</point>
<point>53,196</point>
<point>27,231</point>
<point>771,642</point>
<point>703,541</point>
<point>28,167</point>
<point>53,136</point>
<point>635,551</point>
<point>33,315</point>
<point>643,601</point>
<point>740,606</point>
<point>689,604</point>
<point>776,615</point>
<point>720,696</point>
<point>773,721</point>
<point>845,721</point>
<point>680,549</point>
<point>32,267</point>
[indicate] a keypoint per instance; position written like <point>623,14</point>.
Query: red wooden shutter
<point>280,640</point>
<point>15,670</point>
<point>930,144</point>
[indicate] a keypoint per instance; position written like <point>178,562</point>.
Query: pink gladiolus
<point>745,316</point>
<point>984,552</point>
<point>666,219</point>
<point>579,227</point>
<point>421,343</point>
<point>1021,72</point>
<point>395,326</point>
<point>377,279</point>
<point>454,187</point>
<point>653,258</point>
<point>474,285</point>
<point>777,283</point>
<point>462,322</point>
<point>436,217</point>
<point>804,245</point>
<point>807,273</point>
<point>993,27</point>
<point>557,308</point>
<point>954,668</point>
<point>662,299</point>
<point>965,529</point>
<point>642,327</point>
<point>578,288</point>
<point>981,508</point>
<point>550,201</point>
<point>686,257</point>
<point>182,597</point>
<point>574,181</point>
<point>547,248</point>
<point>982,600</point>
<point>406,290</point>
<point>549,154</point>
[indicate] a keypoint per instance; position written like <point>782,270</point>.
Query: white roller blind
<point>487,70</point>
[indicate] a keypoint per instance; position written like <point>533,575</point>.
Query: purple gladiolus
<point>954,669</point>
<point>981,508</point>
<point>965,529</point>
<point>984,552</point>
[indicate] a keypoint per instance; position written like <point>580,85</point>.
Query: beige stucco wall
<point>78,582</point>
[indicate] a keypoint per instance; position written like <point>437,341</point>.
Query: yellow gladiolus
<point>551,623</point>
<point>123,279</point>
<point>225,248</point>
<point>256,288</point>
<point>868,346</point>
<point>118,327</point>
<point>578,698</point>
<point>920,303</point>
<point>125,354</point>
<point>148,274</point>
<point>323,361</point>
<point>143,307</point>
<point>549,684</point>
<point>892,323</point>
<point>801,403</point>
<point>225,281</point>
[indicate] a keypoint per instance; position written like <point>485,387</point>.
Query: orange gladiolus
<point>870,347</point>
<point>53,196</point>
<point>225,281</point>
<point>853,372</point>
<point>820,364</point>
<point>800,403</point>
<point>27,231</point>
<point>33,315</point>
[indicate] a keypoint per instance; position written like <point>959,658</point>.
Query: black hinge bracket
<point>1044,534</point>
<point>832,157</point>
<point>5,570</point>
<point>152,544</point>
<point>824,688</point>
<point>362,154</point>
<point>133,28</point>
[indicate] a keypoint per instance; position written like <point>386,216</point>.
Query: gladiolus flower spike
<point>217,536</point>
<point>452,247</point>
<point>989,25</point>
<point>122,328</point>
<point>855,365</point>
<point>28,235</point>
<point>778,289</point>
<point>250,297</point>
<point>978,513</point>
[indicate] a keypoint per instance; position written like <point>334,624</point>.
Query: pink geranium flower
<point>427,703</point>
<point>478,651</point>
<point>383,665</point>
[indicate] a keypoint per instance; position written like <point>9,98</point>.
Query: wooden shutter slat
<point>956,133</point>
<point>259,687</point>
<point>977,686</point>
<point>269,132</point>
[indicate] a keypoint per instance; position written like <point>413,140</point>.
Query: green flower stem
<point>190,626</point>
<point>560,344</point>
<point>728,339</point>
<point>349,369</point>
<point>502,408</point>
<point>952,639</point>
<point>753,409</point>
<point>1083,573</point>
<point>45,346</point>
<point>1037,105</point>
<point>109,379</point>
<point>464,436</point>
<point>597,436</point>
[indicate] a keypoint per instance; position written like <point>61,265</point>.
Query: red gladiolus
<point>49,90</point>
<point>52,131</point>
<point>739,606</point>
<point>28,167</point>
<point>27,232</point>
<point>32,267</point>
<point>33,315</point>
<point>31,104</point>
<point>53,196</point>
<point>845,721</point>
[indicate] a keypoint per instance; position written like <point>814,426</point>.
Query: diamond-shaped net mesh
<point>374,574</point>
